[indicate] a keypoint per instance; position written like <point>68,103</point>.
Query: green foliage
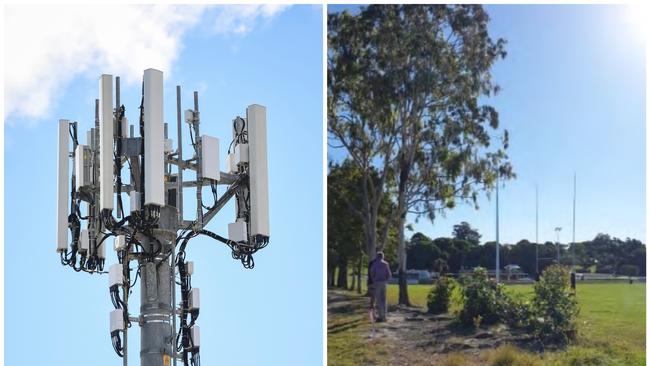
<point>440,265</point>
<point>479,298</point>
<point>628,270</point>
<point>346,232</point>
<point>440,295</point>
<point>465,231</point>
<point>603,254</point>
<point>514,310</point>
<point>554,308</point>
<point>422,253</point>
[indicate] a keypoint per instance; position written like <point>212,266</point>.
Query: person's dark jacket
<point>380,271</point>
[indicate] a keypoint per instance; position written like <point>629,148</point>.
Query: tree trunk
<point>359,267</point>
<point>331,270</point>
<point>404,168</point>
<point>371,237</point>
<point>401,250</point>
<point>354,281</point>
<point>342,281</point>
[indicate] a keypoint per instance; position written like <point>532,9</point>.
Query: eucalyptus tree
<point>409,83</point>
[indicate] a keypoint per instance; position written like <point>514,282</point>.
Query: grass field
<point>611,328</point>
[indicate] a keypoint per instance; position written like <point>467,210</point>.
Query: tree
<point>422,253</point>
<point>440,266</point>
<point>464,231</point>
<point>358,121</point>
<point>416,73</point>
<point>629,270</point>
<point>344,228</point>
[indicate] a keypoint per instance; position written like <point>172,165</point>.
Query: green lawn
<point>611,321</point>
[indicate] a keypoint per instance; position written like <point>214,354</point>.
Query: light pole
<point>536,231</point>
<point>573,244</point>
<point>557,243</point>
<point>497,272</point>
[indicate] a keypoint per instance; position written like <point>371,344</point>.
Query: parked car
<point>414,277</point>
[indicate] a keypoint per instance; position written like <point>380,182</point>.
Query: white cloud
<point>241,19</point>
<point>47,46</point>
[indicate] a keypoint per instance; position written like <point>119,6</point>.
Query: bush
<point>479,298</point>
<point>514,310</point>
<point>439,296</point>
<point>554,308</point>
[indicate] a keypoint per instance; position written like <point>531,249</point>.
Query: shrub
<point>479,298</point>
<point>554,308</point>
<point>514,310</point>
<point>439,296</point>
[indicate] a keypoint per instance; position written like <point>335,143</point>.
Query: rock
<point>470,343</point>
<point>484,335</point>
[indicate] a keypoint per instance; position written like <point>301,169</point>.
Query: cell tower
<point>154,234</point>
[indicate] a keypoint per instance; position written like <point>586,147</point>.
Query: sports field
<point>611,331</point>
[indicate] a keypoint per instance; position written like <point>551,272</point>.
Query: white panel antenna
<point>82,173</point>
<point>84,241</point>
<point>259,189</point>
<point>106,142</point>
<point>210,157</point>
<point>62,206</point>
<point>153,138</point>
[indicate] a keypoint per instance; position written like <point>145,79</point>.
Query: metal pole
<point>125,295</point>
<point>156,305</point>
<point>573,244</point>
<point>536,230</point>
<point>498,265</point>
<point>557,243</point>
<point>179,204</point>
<point>179,179</point>
<point>199,173</point>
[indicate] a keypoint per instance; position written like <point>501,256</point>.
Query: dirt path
<point>411,336</point>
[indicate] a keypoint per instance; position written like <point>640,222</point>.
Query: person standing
<point>379,275</point>
<point>573,283</point>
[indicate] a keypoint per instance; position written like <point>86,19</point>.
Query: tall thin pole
<point>179,205</point>
<point>536,230</point>
<point>199,173</point>
<point>179,132</point>
<point>557,243</point>
<point>573,244</point>
<point>498,265</point>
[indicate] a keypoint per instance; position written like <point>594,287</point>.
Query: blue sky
<point>573,100</point>
<point>271,315</point>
